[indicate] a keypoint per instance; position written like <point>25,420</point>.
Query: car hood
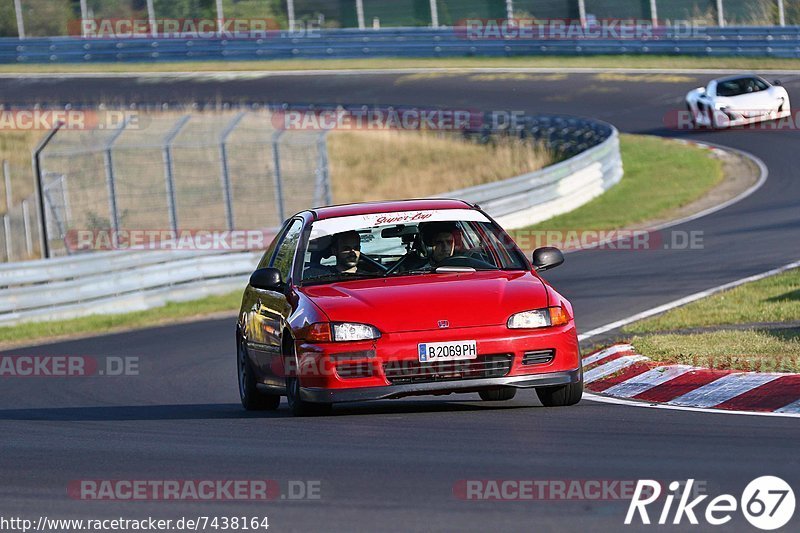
<point>416,303</point>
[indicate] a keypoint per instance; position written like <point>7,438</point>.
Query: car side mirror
<point>777,83</point>
<point>547,258</point>
<point>267,279</point>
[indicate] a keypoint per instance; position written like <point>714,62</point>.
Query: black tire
<point>693,116</point>
<point>561,396</point>
<point>252,399</point>
<point>500,394</point>
<point>298,406</point>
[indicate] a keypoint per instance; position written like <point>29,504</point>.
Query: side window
<point>264,262</point>
<point>285,253</point>
<point>760,85</point>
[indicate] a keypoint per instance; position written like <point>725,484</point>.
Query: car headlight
<point>349,331</point>
<point>539,318</point>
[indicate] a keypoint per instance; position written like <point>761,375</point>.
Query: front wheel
<point>300,407</point>
<point>561,396</point>
<point>252,399</point>
<point>500,394</point>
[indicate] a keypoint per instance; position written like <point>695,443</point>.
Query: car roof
<point>387,207</point>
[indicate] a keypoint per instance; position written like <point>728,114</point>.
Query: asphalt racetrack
<point>394,465</point>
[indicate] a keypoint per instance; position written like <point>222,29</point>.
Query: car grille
<point>539,357</point>
<point>487,366</point>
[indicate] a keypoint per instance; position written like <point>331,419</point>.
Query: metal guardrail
<point>753,41</point>
<point>531,198</point>
<point>114,282</point>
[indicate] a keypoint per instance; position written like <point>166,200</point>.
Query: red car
<point>392,299</point>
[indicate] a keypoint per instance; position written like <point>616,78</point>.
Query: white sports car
<point>737,100</point>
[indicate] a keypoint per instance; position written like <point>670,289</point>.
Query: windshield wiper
<point>339,276</point>
<point>413,272</point>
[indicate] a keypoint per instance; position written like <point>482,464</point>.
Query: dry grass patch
<point>383,165</point>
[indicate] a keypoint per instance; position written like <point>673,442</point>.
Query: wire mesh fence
<point>170,173</point>
<point>48,18</point>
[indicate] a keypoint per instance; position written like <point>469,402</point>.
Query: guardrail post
<point>84,17</point>
<point>276,163</point>
<point>290,14</point>
<point>582,12</point>
<point>151,18</point>
<point>20,22</point>
<point>509,9</point>
<point>37,173</point>
<point>226,180</point>
<point>323,175</point>
<point>169,170</point>
<point>111,184</point>
<point>7,217</point>
<point>654,12</point>
<point>781,13</point>
<point>434,14</point>
<point>27,226</point>
<point>7,179</point>
<point>220,18</point>
<point>720,14</point>
<point>360,14</point>
<point>7,231</point>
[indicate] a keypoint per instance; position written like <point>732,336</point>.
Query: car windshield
<point>405,244</point>
<point>739,86</point>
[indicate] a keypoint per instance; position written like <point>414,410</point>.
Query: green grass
<point>95,324</point>
<point>631,61</point>
<point>774,299</point>
<point>660,177</point>
<point>756,350</point>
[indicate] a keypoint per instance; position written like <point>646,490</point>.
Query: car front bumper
<point>318,395</point>
<point>389,367</point>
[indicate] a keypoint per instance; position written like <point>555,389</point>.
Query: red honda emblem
<point>444,324</point>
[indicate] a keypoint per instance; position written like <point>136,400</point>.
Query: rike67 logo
<point>767,503</point>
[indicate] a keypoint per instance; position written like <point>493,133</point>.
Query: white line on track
<point>762,179</point>
<point>685,300</point>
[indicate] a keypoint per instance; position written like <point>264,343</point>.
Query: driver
<point>347,249</point>
<point>444,238</point>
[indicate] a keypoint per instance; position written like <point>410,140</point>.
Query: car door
<point>273,308</point>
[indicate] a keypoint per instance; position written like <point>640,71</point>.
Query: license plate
<point>431,352</point>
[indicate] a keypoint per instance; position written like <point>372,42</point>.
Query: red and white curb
<point>621,373</point>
